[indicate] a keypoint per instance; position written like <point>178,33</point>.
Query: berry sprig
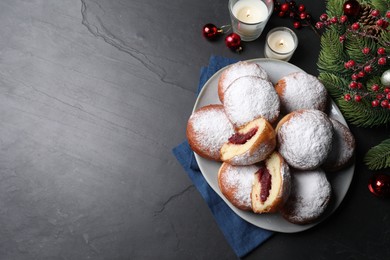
<point>356,29</point>
<point>379,96</point>
<point>377,59</point>
<point>296,12</point>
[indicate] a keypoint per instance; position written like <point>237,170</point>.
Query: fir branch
<point>362,114</point>
<point>332,55</point>
<point>381,5</point>
<point>378,157</point>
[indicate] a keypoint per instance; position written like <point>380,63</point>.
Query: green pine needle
<point>378,157</point>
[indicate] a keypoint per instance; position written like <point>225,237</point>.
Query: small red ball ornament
<point>211,32</point>
<point>233,41</point>
<point>379,185</point>
<point>351,8</point>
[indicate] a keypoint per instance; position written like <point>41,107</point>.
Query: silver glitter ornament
<point>385,78</point>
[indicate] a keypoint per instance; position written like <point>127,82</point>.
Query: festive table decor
<point>354,65</point>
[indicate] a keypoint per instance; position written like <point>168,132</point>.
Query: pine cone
<point>368,21</point>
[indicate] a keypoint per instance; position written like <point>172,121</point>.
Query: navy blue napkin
<point>242,236</point>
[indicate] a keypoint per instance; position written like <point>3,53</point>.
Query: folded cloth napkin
<point>242,236</point>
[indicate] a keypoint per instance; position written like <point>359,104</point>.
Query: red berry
<point>353,84</point>
<point>381,51</point>
<point>360,85</point>
<point>347,97</point>
<point>361,74</point>
<point>343,19</point>
<point>380,22</point>
<point>386,90</point>
<point>382,61</point>
<point>303,15</point>
<point>319,25</point>
<point>281,14</point>
<point>375,13</point>
<point>388,96</point>
<point>301,8</point>
<point>366,50</point>
<point>334,20</point>
<point>368,69</point>
<point>342,38</point>
<point>388,14</point>
<point>324,17</point>
<point>354,76</point>
<point>358,98</point>
<point>351,63</point>
<point>297,25</point>
<point>375,103</point>
<point>375,87</point>
<point>355,26</point>
<point>385,24</point>
<point>385,103</point>
<point>380,96</point>
<point>285,7</point>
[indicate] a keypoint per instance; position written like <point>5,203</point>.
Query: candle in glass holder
<point>281,43</point>
<point>249,17</point>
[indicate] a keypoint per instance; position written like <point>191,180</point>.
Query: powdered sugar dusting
<point>343,147</point>
<point>241,69</point>
<point>303,91</point>
<point>212,129</point>
<point>249,98</point>
<point>310,194</point>
<point>253,156</point>
<point>241,179</point>
<point>306,139</point>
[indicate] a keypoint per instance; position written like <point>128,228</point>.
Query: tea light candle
<point>249,17</point>
<point>281,43</point>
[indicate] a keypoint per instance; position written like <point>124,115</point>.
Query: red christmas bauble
<point>351,8</point>
<point>233,41</point>
<point>211,32</point>
<point>379,185</point>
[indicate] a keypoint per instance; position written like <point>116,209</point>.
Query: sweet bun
<point>343,148</point>
<point>305,138</point>
<point>250,144</point>
<point>248,98</point>
<point>271,186</point>
<point>309,197</point>
<point>235,183</point>
<point>299,90</point>
<point>208,129</point>
<point>237,70</point>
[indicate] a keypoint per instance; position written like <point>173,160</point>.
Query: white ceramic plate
<point>340,181</point>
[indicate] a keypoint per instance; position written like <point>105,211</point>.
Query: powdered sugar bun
<point>248,98</point>
<point>309,197</point>
<point>343,148</point>
<point>271,187</point>
<point>305,138</point>
<point>251,144</point>
<point>235,183</point>
<point>208,129</point>
<point>237,70</point>
<point>299,90</point>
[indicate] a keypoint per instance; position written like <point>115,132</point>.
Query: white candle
<point>280,44</point>
<point>249,17</point>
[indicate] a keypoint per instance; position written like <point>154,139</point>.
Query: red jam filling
<point>265,180</point>
<point>238,138</point>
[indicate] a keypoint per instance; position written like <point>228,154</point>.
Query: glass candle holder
<point>281,43</point>
<point>249,17</point>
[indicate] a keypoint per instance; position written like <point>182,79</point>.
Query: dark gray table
<point>94,94</point>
